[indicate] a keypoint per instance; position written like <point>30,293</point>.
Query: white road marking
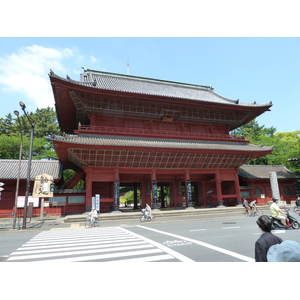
<point>109,244</point>
<point>279,231</point>
<point>16,256</point>
<point>106,256</point>
<point>219,249</point>
<point>160,246</point>
<point>198,229</point>
<point>231,227</point>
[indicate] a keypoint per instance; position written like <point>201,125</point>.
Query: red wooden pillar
<point>143,193</point>
<point>188,189</point>
<point>88,187</point>
<point>174,193</point>
<point>154,189</point>
<point>218,188</point>
<point>116,194</point>
<point>237,187</point>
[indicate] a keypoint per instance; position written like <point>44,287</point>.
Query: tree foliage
<point>286,144</point>
<point>12,132</point>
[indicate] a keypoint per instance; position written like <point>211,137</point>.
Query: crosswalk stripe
<point>76,248</point>
<point>108,244</point>
<point>72,241</point>
<point>106,256</point>
<point>69,244</point>
<point>147,258</point>
<point>80,252</point>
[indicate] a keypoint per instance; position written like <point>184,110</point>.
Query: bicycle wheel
<point>87,224</point>
<point>297,209</point>
<point>142,218</point>
<point>259,212</point>
<point>153,217</point>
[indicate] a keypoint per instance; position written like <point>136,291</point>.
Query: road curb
<point>159,213</point>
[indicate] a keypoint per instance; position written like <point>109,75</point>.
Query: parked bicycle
<point>89,223</point>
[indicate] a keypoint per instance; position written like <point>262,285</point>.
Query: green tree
<point>286,144</point>
<point>45,124</point>
<point>7,126</point>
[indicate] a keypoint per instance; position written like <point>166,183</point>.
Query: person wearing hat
<point>266,240</point>
<point>287,251</point>
<point>276,212</point>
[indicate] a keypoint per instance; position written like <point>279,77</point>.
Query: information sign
<point>42,186</point>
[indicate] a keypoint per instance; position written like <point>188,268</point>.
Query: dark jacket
<point>262,245</point>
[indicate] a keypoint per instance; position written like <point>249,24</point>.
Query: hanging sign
<point>42,186</point>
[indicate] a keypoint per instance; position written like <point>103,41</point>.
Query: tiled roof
<point>156,143</point>
<point>9,168</point>
<point>262,171</point>
<point>154,87</point>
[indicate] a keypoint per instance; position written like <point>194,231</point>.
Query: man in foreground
<point>266,240</point>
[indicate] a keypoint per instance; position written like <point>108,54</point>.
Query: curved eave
<point>113,141</point>
<point>187,92</point>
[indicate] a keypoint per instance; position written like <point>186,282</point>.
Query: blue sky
<point>247,50</point>
<point>249,69</point>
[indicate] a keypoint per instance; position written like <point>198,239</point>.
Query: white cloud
<point>26,72</point>
<point>93,59</point>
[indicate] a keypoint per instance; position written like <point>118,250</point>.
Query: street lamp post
<point>19,170</point>
<point>23,106</point>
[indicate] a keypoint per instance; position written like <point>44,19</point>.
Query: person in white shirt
<point>148,211</point>
<point>94,215</point>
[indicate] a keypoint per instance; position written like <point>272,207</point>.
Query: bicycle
<point>5,224</point>
<point>246,211</point>
<point>90,224</point>
<point>255,212</point>
<point>297,210</point>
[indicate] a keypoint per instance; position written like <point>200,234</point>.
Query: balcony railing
<point>125,131</point>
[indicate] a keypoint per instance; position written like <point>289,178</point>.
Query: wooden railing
<point>88,129</point>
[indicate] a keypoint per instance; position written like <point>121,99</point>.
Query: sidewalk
<point>164,212</point>
<point>69,221</point>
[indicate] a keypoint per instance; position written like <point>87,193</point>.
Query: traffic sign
<point>2,183</point>
<point>1,189</point>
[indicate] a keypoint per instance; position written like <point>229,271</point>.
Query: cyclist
<point>148,211</point>
<point>252,205</point>
<point>93,215</point>
<point>246,205</point>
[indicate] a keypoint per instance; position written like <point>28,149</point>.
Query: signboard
<point>21,201</point>
<point>42,186</point>
<point>97,200</point>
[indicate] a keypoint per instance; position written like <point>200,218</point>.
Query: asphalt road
<point>175,239</point>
